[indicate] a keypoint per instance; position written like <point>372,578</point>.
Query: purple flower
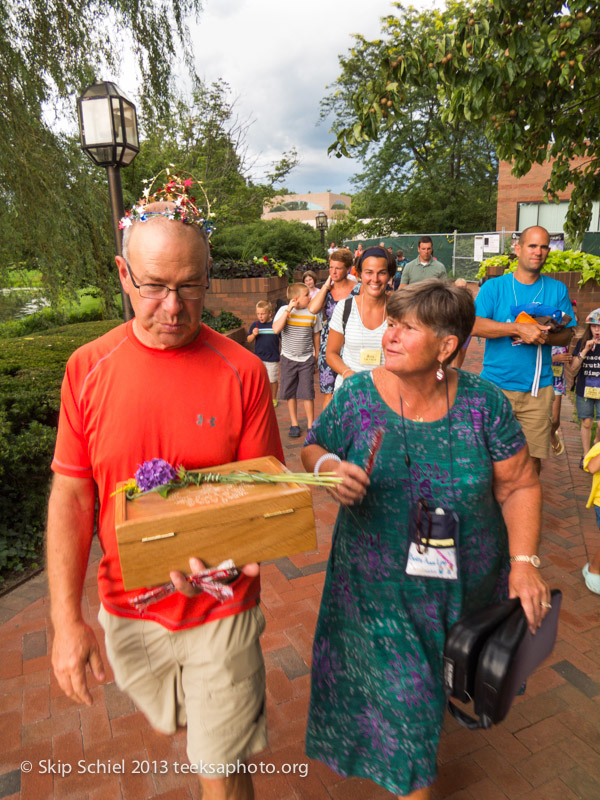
<point>154,473</point>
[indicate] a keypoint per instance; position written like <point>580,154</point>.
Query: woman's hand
<point>355,480</point>
<point>352,491</point>
<point>526,583</point>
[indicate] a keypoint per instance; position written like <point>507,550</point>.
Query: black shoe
<point>294,432</point>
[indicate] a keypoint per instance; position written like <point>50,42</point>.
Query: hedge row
<point>31,370</point>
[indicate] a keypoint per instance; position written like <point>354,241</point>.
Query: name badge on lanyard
<point>433,549</point>
<point>370,357</point>
<point>435,559</point>
<point>557,370</point>
<point>592,392</point>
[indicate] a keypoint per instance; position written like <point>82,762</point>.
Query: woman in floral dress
<point>337,287</point>
<point>450,438</point>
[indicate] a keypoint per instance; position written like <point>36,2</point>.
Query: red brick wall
<point>240,296</point>
<point>528,189</point>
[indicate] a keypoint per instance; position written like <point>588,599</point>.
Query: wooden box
<point>246,522</point>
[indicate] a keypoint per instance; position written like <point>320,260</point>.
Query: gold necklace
<point>417,417</point>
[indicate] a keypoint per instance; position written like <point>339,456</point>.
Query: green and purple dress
<point>377,702</point>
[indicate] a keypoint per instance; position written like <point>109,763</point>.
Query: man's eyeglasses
<point>156,291</point>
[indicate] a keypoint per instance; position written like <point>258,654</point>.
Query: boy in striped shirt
<point>300,333</point>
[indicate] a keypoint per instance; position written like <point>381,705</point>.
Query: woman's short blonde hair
<point>447,309</point>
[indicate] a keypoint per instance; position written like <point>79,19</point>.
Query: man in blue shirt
<point>518,356</point>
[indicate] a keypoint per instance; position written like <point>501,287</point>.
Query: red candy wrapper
<point>208,580</point>
<point>373,450</point>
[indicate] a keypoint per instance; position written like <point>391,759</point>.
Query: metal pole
<point>454,254</point>
<point>323,240</point>
<point>115,190</point>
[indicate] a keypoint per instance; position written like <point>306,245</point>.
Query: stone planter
<point>240,295</point>
<point>238,335</point>
<point>494,272</point>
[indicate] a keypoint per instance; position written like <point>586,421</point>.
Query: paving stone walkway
<point>547,749</point>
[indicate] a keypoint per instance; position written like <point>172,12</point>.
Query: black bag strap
<point>465,719</point>
<point>346,313</point>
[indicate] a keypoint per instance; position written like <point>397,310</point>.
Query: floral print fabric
<point>377,702</point>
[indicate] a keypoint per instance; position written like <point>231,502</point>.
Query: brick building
<point>521,200</point>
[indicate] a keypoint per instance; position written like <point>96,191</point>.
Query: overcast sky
<point>278,56</point>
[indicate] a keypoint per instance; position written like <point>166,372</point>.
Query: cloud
<point>278,58</point>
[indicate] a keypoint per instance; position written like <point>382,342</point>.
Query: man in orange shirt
<point>161,386</point>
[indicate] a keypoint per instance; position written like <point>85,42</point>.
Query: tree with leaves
<point>526,72</point>
<point>54,212</point>
<point>419,172</point>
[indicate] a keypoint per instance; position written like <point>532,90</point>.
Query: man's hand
<point>532,334</point>
<point>182,585</point>
<point>75,646</point>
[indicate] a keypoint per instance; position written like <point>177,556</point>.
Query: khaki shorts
<point>210,678</point>
<point>535,416</point>
<point>272,370</point>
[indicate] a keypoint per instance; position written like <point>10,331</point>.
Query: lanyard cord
<point>515,291</point>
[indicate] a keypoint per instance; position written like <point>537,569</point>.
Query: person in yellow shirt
<point>591,463</point>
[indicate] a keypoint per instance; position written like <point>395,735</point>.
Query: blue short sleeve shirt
<point>512,366</point>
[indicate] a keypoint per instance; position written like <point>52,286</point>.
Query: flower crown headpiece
<point>177,191</point>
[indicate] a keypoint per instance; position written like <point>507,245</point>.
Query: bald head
<point>533,230</point>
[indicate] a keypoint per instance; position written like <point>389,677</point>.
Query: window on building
<point>552,216</point>
<point>339,206</point>
<point>296,205</point>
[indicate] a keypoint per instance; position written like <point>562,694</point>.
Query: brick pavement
<point>548,747</point>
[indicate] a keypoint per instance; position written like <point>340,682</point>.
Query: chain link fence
<point>470,249</point>
<point>462,253</point>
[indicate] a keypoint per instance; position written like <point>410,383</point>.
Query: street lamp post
<point>109,135</point>
<point>321,225</point>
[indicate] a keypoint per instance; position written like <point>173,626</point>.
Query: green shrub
<point>313,263</point>
<point>557,261</point>
<point>279,239</point>
<point>31,371</point>
<point>223,322</point>
<point>46,319</point>
<point>256,267</point>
